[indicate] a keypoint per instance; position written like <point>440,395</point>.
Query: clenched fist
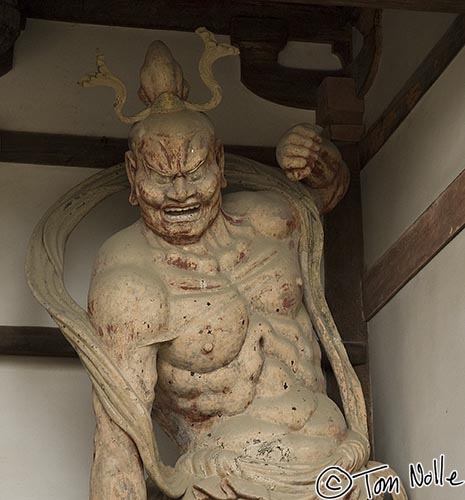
<point>304,155</point>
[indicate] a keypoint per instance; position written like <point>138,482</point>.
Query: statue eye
<point>160,179</point>
<point>197,174</point>
<point>153,175</point>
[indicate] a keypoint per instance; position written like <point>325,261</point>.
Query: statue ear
<point>219,154</point>
<point>131,166</point>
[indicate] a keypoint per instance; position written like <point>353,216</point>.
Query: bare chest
<point>212,299</point>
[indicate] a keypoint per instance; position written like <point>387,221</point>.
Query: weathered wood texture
<point>344,256</point>
<point>305,22</point>
<point>338,103</point>
<point>424,239</point>
<point>416,86</point>
<point>364,67</point>
<point>10,28</point>
<point>87,151</point>
<point>344,263</point>
<point>34,341</point>
<point>426,5</point>
<point>340,110</point>
<point>260,41</point>
<point>47,341</point>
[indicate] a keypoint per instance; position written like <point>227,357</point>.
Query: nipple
<point>208,347</point>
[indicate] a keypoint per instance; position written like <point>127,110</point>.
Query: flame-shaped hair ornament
<point>167,101</point>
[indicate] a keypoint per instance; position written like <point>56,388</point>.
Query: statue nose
<point>180,190</point>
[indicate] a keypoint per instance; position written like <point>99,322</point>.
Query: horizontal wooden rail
<point>34,341</point>
<point>87,151</point>
<point>431,232</point>
<point>414,89</point>
<point>47,341</point>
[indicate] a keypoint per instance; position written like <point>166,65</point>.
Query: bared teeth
<point>171,210</point>
<point>182,214</point>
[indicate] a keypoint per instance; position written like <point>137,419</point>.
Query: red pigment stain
<point>288,303</point>
<point>181,263</point>
<point>291,224</point>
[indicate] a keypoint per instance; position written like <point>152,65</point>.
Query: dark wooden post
<point>340,113</point>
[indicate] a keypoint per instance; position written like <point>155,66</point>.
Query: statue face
<point>176,180</point>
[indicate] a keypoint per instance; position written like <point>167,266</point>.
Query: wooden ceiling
<point>260,28</point>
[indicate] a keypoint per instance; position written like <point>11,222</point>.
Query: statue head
<point>175,163</point>
<point>175,167</point>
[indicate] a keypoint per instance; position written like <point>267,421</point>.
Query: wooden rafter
<point>305,22</point>
<point>457,6</point>
<point>48,341</point>
<point>413,90</point>
<point>87,151</point>
<point>261,29</point>
<point>425,238</point>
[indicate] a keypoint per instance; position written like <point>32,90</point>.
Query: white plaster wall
<point>407,37</point>
<point>417,351</point>
<point>46,421</point>
<point>417,346</point>
<point>417,163</point>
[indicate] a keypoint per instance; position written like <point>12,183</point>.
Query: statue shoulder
<point>125,295</point>
<point>269,212</point>
<point>127,246</point>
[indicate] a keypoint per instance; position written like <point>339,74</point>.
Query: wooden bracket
<point>260,42</point>
<point>11,25</point>
<point>340,110</point>
<point>261,29</point>
<point>365,65</point>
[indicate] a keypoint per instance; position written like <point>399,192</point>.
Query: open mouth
<point>182,214</point>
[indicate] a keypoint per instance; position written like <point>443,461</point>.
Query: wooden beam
<point>34,341</point>
<point>58,149</point>
<point>86,151</point>
<point>431,232</point>
<point>305,22</point>
<point>47,341</point>
<point>457,6</point>
<point>414,89</point>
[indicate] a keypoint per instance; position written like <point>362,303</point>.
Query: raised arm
<point>304,155</point>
